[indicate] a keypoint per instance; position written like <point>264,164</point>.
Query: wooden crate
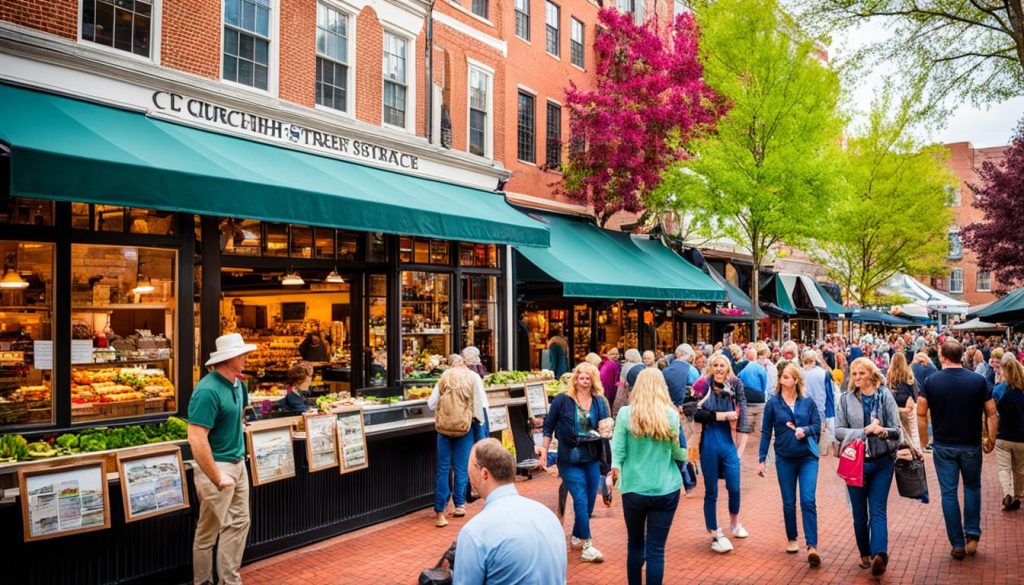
<point>122,409</point>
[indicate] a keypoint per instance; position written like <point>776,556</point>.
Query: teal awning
<point>734,295</point>
<point>69,150</point>
<point>591,262</point>
<point>831,306</point>
<point>1005,310</point>
<point>775,296</point>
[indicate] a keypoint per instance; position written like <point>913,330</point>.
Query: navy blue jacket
<point>676,376</point>
<point>561,422</point>
<point>776,415</point>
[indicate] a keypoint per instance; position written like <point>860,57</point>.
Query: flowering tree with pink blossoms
<point>649,99</point>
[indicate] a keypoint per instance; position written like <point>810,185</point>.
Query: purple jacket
<point>610,378</point>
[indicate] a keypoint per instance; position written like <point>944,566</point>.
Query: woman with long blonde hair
<point>905,391</point>
<point>574,418</point>
<point>1009,397</point>
<point>644,454</point>
<point>724,402</point>
<point>792,417</point>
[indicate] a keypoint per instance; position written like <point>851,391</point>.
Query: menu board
<point>321,441</point>
<point>42,352</point>
<point>81,351</point>
<point>351,438</point>
<point>497,418</point>
<point>152,482</point>
<point>63,499</point>
<point>270,450</point>
<point>537,398</point>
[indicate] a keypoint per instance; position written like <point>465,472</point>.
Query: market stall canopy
<point>977,324</point>
<point>831,306</point>
<point>801,287</point>
<point>734,295</point>
<point>908,286</point>
<point>1007,309</point>
<point>870,316</point>
<point>916,309</point>
<point>69,150</point>
<point>775,299</point>
<point>591,262</point>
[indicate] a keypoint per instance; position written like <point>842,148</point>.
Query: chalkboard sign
<point>293,311</point>
<point>537,398</point>
<point>497,418</point>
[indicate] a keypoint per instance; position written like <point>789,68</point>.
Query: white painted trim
<point>469,12</point>
<point>155,28</point>
<point>273,53</point>
<point>546,204</point>
<point>556,102</point>
<point>526,89</point>
<point>489,129</point>
<point>351,13</point>
<point>410,81</point>
<point>463,28</point>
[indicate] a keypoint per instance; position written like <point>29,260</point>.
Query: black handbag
<point>439,574</point>
<point>911,480</point>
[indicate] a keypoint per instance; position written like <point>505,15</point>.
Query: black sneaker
<point>1015,504</point>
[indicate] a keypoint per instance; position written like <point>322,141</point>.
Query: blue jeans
<point>951,462</point>
<point>869,507</point>
<point>805,472</point>
<point>583,481</point>
<point>711,460</point>
<point>648,520</point>
<point>452,452</point>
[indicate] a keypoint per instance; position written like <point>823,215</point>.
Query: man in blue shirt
<point>755,381</point>
<point>513,539</point>
<point>677,374</point>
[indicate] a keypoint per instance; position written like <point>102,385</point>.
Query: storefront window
<point>348,246</point>
<point>324,243</point>
<point>26,333</point>
<point>540,326</point>
<point>581,332</point>
<point>148,221</point>
<point>376,249</point>
<point>123,319</point>
<point>377,330</point>
<point>277,240</point>
<point>241,237</point>
<point>480,255</point>
<point>80,213</point>
<point>426,326</point>
<point>480,317</point>
<point>424,251</point>
<point>26,211</point>
<point>302,242</point>
<point>109,218</point>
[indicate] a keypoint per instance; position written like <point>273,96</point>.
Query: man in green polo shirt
<point>215,433</point>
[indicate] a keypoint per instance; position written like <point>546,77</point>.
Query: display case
<point>581,332</point>
<point>426,324</point>
<point>121,388</point>
<point>376,344</point>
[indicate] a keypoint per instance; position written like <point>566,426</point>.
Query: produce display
<point>419,392</point>
<point>118,385</point>
<point>505,377</point>
<point>555,387</point>
<point>36,393</point>
<point>16,448</point>
<point>277,354</point>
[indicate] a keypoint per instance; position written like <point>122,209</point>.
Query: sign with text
<point>81,351</point>
<point>42,352</point>
<point>537,399</point>
<point>497,418</point>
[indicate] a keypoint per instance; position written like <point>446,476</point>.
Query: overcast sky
<point>982,127</point>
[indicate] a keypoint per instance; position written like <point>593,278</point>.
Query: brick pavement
<point>394,552</point>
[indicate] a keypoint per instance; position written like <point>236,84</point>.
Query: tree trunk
<point>755,296</point>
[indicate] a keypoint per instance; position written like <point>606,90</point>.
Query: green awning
<point>591,262</point>
<point>734,295</point>
<point>1005,310</point>
<point>774,293</point>
<point>831,306</point>
<point>68,150</point>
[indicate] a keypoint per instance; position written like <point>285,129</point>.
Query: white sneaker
<point>721,544</point>
<point>591,554</point>
<point>575,542</point>
<point>739,531</point>
<point>793,547</point>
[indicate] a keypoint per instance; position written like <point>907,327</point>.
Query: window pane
<point>426,326</point>
<point>302,242</point>
<point>376,330</point>
<point>240,237</point>
<point>147,221</point>
<point>324,243</point>
<point>26,323</point>
<point>394,104</point>
<point>124,24</point>
<point>232,12</point>
<point>109,218</point>
<point>27,211</point>
<point>551,19</point>
<point>525,150</point>
<point>377,250</point>
<point>480,8</point>
<point>277,239</point>
<point>553,146</point>
<point>523,19</point>
<point>122,305</point>
<point>480,317</point>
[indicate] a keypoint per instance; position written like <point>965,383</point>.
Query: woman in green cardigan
<point>645,448</point>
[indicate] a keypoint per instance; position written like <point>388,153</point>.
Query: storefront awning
<point>831,306</point>
<point>775,299</point>
<point>1008,309</point>
<point>735,296</point>
<point>68,150</point>
<point>591,262</point>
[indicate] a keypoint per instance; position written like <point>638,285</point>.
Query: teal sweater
<point>646,466</point>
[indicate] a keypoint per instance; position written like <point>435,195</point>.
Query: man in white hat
<point>216,436</point>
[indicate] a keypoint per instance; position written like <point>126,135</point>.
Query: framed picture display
<point>351,438</point>
<point>152,482</point>
<point>497,418</point>
<point>271,452</point>
<point>58,500</point>
<point>321,441</point>
<point>537,399</point>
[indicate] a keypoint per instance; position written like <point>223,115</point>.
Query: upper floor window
<point>984,281</point>
<point>395,79</point>
<point>121,24</point>
<point>956,247</point>
<point>634,7</point>
<point>576,42</point>
<point>956,280</point>
<point>551,28</point>
<point>525,141</point>
<point>247,42</point>
<point>479,111</point>
<point>523,19</point>
<point>553,143</point>
<point>953,195</point>
<point>479,8</point>
<point>331,58</point>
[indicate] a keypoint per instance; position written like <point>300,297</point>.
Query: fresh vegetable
<point>134,435</point>
<point>68,441</point>
<point>13,448</point>
<point>504,377</point>
<point>40,450</point>
<point>177,428</point>
<point>115,439</point>
<point>92,440</point>
<point>323,403</point>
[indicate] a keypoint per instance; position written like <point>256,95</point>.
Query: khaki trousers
<point>224,522</point>
<point>1010,457</point>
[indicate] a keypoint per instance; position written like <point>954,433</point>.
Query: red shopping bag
<point>851,463</point>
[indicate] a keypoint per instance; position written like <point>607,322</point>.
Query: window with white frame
<point>953,196</point>
<point>395,79</point>
<point>479,111</point>
<point>984,281</point>
<point>523,19</point>
<point>956,280</point>
<point>634,7</point>
<point>119,24</point>
<point>552,28</point>
<point>247,42</point>
<point>332,35</point>
<point>479,8</point>
<point>956,247</point>
<point>576,42</point>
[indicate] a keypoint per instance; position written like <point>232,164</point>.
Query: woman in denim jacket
<point>869,412</point>
<point>724,403</point>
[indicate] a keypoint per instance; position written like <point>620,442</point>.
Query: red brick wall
<point>369,67</point>
<point>298,52</point>
<point>57,17</point>
<point>190,38</point>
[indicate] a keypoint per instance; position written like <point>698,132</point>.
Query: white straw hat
<point>229,346</point>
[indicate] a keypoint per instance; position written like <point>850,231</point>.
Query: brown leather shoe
<point>441,520</point>
<point>865,562</point>
<point>958,553</point>
<point>972,545</point>
<point>877,565</point>
<point>813,558</point>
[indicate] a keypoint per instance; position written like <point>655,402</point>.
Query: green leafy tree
<point>971,49</point>
<point>893,215</point>
<point>763,176</point>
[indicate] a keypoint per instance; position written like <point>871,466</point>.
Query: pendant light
<point>292,278</point>
<point>13,280</point>
<point>143,285</point>
<point>334,277</point>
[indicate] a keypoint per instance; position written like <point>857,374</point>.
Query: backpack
<point>454,414</point>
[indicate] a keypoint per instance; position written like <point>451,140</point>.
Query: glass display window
<point>23,211</point>
<point>26,333</point>
<point>324,243</point>
<point>81,214</point>
<point>109,218</point>
<point>376,345</point>
<point>424,251</point>
<point>276,244</point>
<point>148,221</point>
<point>540,326</point>
<point>301,242</point>
<point>123,331</point>
<point>241,237</point>
<point>582,332</point>
<point>478,255</point>
<point>426,323</point>
<point>480,317</point>
<point>376,247</point>
<point>348,246</point>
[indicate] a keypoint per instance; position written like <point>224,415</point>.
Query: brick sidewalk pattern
<point>394,552</point>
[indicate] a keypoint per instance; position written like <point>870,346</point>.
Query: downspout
<point>429,59</point>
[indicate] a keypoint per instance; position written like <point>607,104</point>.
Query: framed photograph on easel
<point>351,438</point>
<point>59,500</point>
<point>321,441</point>
<point>152,482</point>
<point>271,451</point>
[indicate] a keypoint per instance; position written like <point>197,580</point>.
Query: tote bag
<point>851,463</point>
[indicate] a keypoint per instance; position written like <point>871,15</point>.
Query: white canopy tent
<point>924,295</point>
<point>977,324</point>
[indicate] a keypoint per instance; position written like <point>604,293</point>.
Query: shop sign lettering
<point>208,113</point>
